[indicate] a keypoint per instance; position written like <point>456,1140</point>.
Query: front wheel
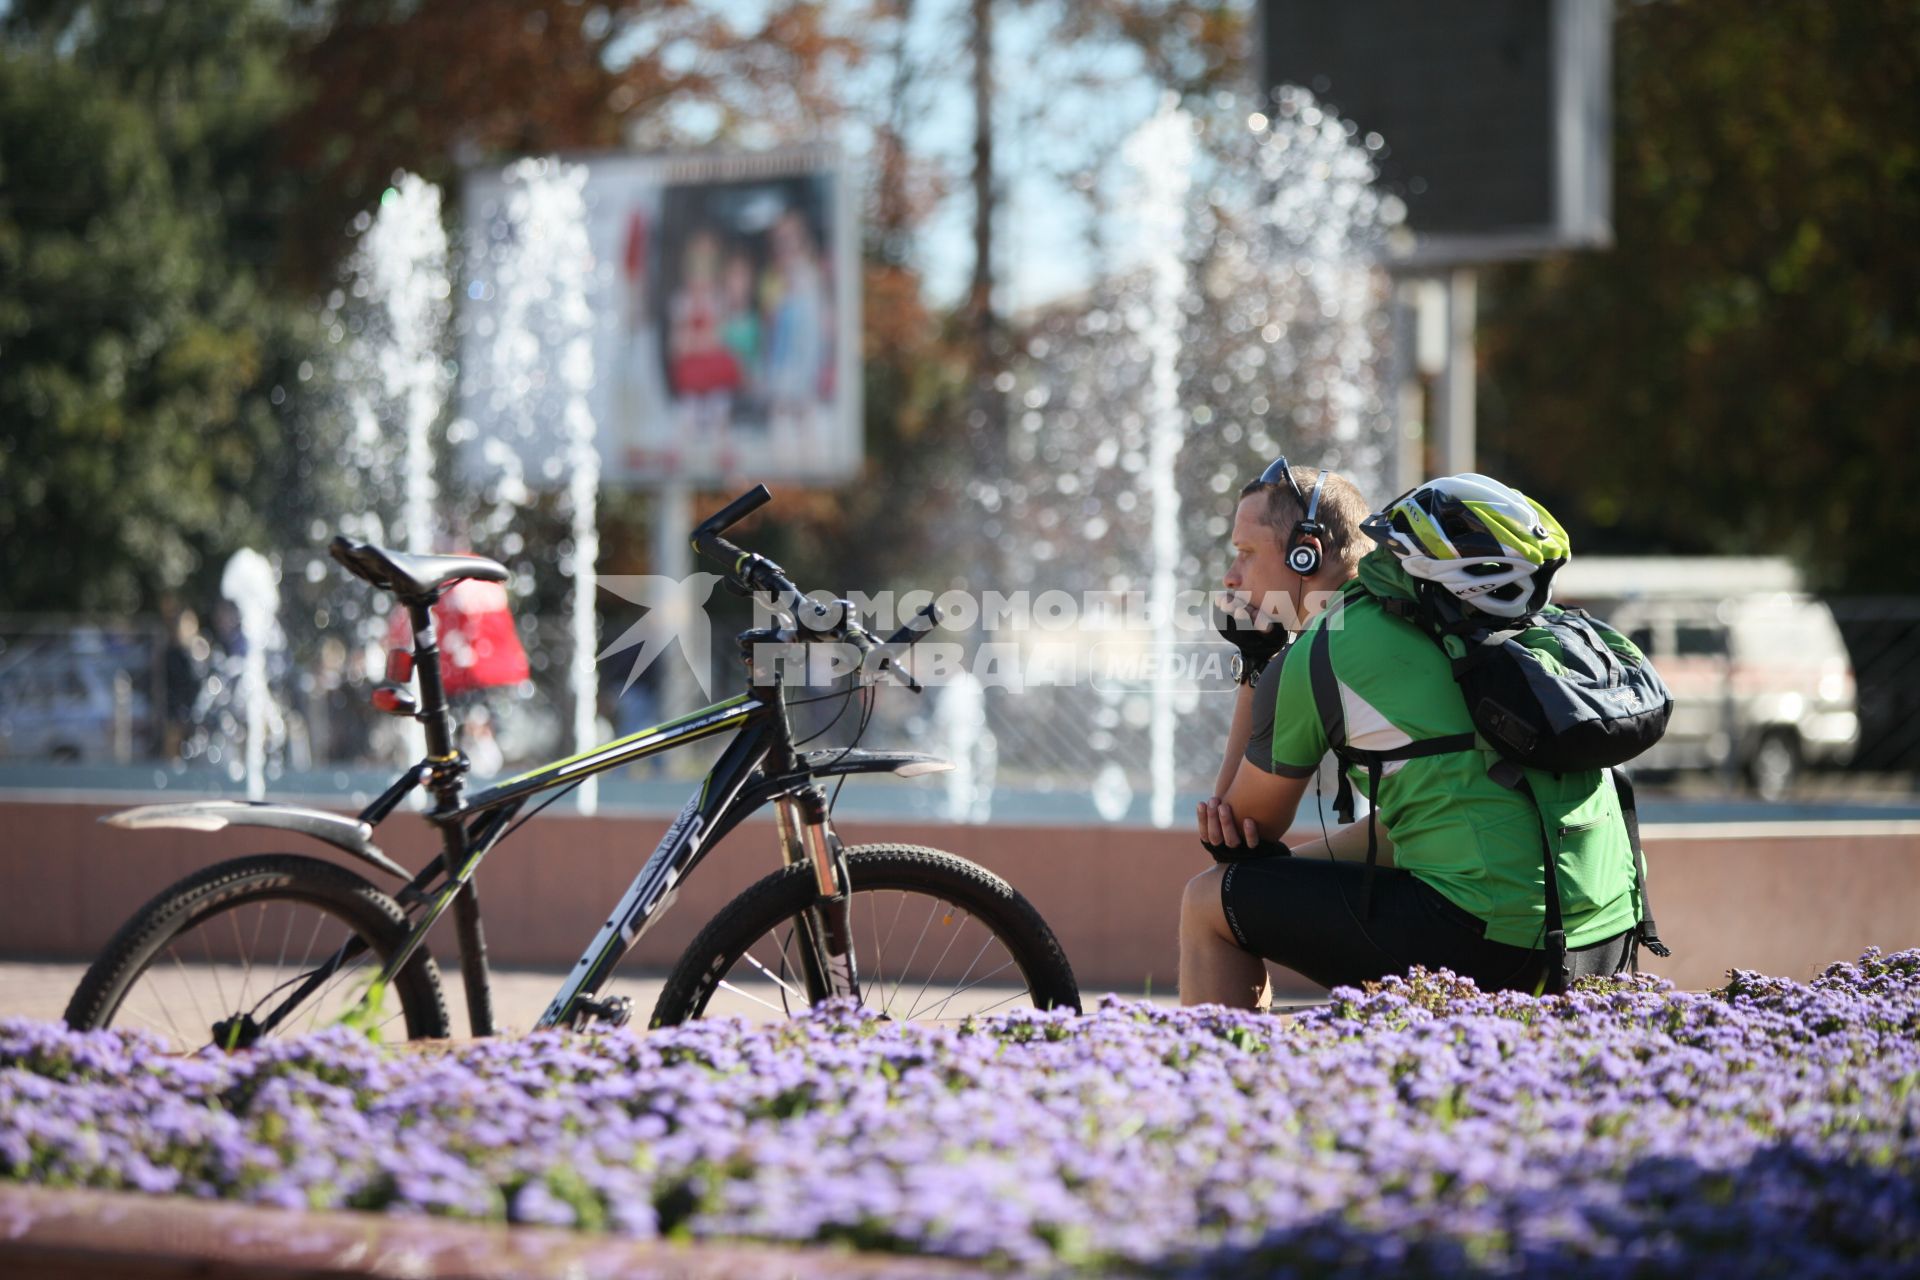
<point>935,938</point>
<point>265,946</point>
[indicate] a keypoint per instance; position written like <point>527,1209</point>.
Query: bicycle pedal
<point>614,1011</point>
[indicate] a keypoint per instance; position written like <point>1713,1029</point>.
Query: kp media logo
<point>676,612</point>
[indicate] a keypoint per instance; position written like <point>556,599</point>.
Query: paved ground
<point>520,995</point>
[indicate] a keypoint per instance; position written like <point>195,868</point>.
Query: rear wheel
<point>935,937</point>
<point>216,958</point>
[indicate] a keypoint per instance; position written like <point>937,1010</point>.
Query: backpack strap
<point>1558,972</point>
<point>1333,719</point>
<point>1648,931</point>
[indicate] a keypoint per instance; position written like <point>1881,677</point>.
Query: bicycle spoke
<point>335,981</point>
<point>997,1003</point>
<point>259,923</point>
<point>280,961</point>
<point>892,927</point>
<point>192,994</point>
<point>968,971</point>
<point>792,969</point>
<point>246,962</point>
<point>150,1022</point>
<point>879,979</point>
<point>981,979</point>
<point>312,938</point>
<point>748,995</point>
<point>129,1002</point>
<point>943,955</point>
<point>753,960</point>
<point>218,986</point>
<point>916,949</point>
<point>318,923</point>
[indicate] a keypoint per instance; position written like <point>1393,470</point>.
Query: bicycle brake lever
<point>887,664</point>
<point>906,677</point>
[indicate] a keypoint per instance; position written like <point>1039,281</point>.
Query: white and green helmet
<point>1486,543</point>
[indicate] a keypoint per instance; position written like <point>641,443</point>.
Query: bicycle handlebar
<point>908,632</point>
<point>757,573</point>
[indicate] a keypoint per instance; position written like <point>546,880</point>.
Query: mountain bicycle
<point>278,943</point>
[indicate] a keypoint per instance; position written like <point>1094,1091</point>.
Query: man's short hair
<point>1342,509</point>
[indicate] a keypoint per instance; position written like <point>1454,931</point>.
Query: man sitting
<point>1461,867</point>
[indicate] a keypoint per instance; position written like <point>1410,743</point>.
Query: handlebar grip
<point>909,633</point>
<point>734,512</point>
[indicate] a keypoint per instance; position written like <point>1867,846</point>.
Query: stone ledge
<point>1784,899</point>
<point>110,1235</point>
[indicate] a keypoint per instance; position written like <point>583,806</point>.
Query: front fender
<point>347,834</point>
<point>906,764</point>
<point>831,762</point>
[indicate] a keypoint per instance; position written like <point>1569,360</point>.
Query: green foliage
<point>1741,373</point>
<point>368,1011</point>
<point>139,350</point>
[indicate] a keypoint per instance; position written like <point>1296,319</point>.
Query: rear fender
<point>350,835</point>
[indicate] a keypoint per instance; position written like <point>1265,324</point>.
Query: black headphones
<point>1302,557</point>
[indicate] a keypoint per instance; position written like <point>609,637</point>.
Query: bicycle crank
<point>614,1011</point>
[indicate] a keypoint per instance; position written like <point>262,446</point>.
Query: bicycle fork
<point>826,934</point>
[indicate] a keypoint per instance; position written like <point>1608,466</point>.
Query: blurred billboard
<point>725,318</point>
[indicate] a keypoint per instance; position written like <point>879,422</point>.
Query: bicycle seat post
<point>433,715</point>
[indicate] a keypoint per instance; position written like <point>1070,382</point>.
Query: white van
<point>1761,681</point>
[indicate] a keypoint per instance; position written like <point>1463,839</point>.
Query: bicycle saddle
<point>413,578</point>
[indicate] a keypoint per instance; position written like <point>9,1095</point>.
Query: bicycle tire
<point>779,897</point>
<point>264,879</point>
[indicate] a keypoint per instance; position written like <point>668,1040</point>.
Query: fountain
<point>253,585</point>
<point>1245,318</point>
<point>534,263</point>
<point>529,268</point>
<point>402,261</point>
<point>960,729</point>
<point>1161,153</point>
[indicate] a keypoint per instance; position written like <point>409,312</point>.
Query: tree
<point>430,85</point>
<point>1741,372</point>
<point>140,364</point>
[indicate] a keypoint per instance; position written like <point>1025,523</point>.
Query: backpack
<point>1585,707</point>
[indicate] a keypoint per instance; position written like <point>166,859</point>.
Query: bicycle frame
<point>758,766</point>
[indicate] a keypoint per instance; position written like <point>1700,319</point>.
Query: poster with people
<point>725,319</point>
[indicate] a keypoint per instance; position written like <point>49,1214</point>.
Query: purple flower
<point>1415,1125</point>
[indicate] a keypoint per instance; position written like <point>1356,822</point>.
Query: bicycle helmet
<point>1487,544</point>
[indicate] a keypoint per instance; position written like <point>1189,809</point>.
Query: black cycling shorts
<point>1303,913</point>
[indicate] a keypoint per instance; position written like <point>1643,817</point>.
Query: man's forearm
<point>1237,735</point>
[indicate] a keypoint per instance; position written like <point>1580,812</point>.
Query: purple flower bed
<point>1770,1128</point>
